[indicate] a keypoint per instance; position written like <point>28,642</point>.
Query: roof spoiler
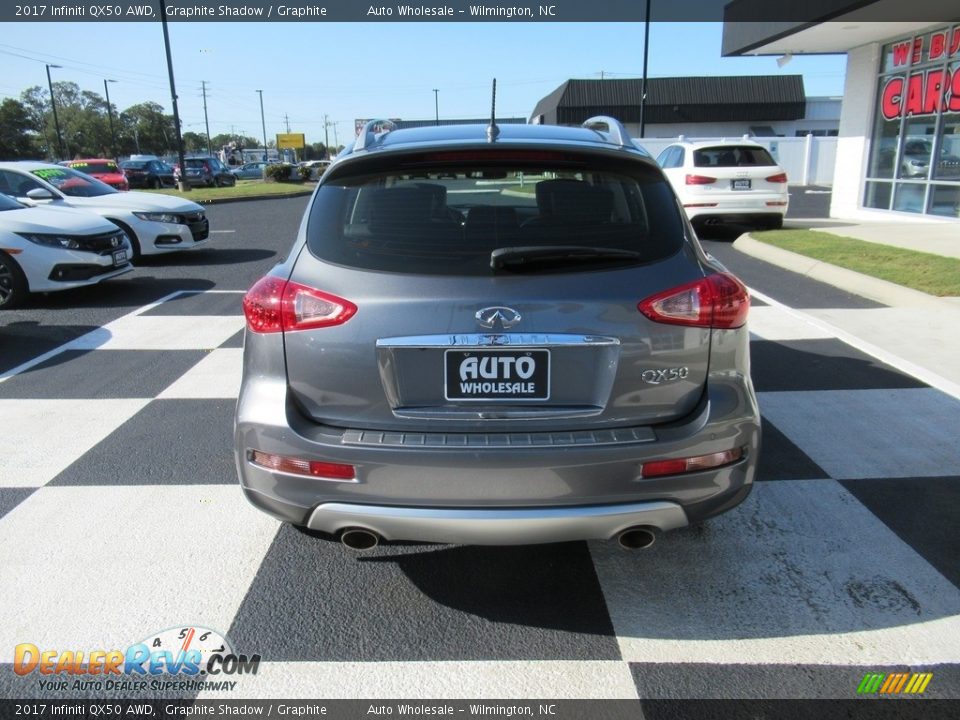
<point>371,131</point>
<point>614,128</point>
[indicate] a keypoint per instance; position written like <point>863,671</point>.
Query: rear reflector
<point>700,180</point>
<point>277,305</point>
<point>776,203</point>
<point>306,468</point>
<point>659,468</point>
<point>716,301</point>
<point>686,205</point>
<point>778,178</point>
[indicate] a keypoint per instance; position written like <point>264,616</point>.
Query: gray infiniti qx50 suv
<point>496,336</point>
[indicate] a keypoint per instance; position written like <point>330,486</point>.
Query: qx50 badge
<point>489,317</point>
<point>664,375</point>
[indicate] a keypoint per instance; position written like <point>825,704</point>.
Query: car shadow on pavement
<point>207,256</point>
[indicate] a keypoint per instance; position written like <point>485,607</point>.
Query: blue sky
<point>350,70</point>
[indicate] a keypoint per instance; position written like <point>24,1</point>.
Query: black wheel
<point>13,285</point>
<point>154,184</point>
<point>776,223</point>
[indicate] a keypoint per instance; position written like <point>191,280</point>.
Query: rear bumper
<point>497,495</point>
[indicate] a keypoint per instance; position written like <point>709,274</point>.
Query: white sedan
<point>154,223</point>
<point>47,249</point>
<point>727,182</point>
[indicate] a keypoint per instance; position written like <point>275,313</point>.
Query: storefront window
<point>916,134</point>
<point>945,200</point>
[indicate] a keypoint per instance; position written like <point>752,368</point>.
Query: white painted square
<point>104,567</point>
<point>41,438</point>
<point>437,680</point>
<point>162,332</point>
<point>871,433</point>
<point>774,323</point>
<point>216,376</point>
<point>799,573</point>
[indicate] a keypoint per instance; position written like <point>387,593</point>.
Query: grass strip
<point>926,272</point>
<point>243,189</point>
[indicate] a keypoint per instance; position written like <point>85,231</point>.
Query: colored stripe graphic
<point>894,683</point>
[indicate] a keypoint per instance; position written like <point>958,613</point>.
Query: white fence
<point>807,160</point>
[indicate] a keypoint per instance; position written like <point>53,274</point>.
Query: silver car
<point>496,336</point>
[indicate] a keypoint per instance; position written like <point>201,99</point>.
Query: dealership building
<point>898,146</point>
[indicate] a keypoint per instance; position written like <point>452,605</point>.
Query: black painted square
<point>204,303</point>
<point>820,365</point>
<point>101,374</point>
<point>10,497</point>
<point>169,442</point>
<point>313,600</point>
<point>923,512</point>
<point>780,459</point>
<point>234,341</point>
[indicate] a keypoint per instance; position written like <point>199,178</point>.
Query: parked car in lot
<point>49,249</point>
<point>206,171</point>
<point>249,171</point>
<point>151,174</point>
<point>153,223</point>
<point>727,182</point>
<point>496,342</point>
<point>106,171</point>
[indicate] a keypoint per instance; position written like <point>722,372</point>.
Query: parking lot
<point>120,517</point>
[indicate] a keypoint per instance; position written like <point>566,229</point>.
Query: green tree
<point>146,129</point>
<point>196,143</point>
<point>84,125</point>
<point>19,135</point>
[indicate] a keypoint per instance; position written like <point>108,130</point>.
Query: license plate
<point>740,184</point>
<point>119,257</point>
<point>497,375</point>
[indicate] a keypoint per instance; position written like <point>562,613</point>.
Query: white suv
<point>727,181</point>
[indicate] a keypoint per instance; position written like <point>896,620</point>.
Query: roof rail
<point>369,133</point>
<point>618,133</point>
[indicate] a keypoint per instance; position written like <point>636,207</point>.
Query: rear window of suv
<point>447,220</point>
<point>732,156</point>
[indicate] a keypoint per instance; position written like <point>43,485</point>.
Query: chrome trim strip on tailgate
<point>494,340</point>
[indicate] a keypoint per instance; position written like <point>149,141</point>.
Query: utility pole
<point>264,123</point>
<point>184,186</point>
<point>53,105</point>
<point>206,122</point>
<point>113,135</point>
<point>326,134</point>
<point>436,106</point>
<point>643,85</point>
<point>286,120</point>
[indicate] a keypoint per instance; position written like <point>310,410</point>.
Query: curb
<point>872,288</point>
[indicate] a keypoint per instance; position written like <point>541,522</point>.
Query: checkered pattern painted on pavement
<point>120,516</point>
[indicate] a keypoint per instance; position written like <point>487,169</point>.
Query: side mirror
<point>40,194</point>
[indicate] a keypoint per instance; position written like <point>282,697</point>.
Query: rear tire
<point>13,283</point>
<point>776,223</point>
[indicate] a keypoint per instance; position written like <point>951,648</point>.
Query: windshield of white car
<point>73,183</point>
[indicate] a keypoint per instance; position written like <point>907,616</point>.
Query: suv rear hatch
<point>485,289</point>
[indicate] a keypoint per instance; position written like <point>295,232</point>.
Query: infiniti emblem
<point>507,317</point>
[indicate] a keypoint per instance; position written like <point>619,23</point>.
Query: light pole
<point>436,106</point>
<point>184,186</point>
<point>53,106</point>
<point>263,122</point>
<point>113,135</point>
<point>643,86</point>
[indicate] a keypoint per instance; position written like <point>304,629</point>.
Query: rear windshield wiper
<point>529,257</point>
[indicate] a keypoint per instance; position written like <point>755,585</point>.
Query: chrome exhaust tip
<point>636,538</point>
<point>359,539</point>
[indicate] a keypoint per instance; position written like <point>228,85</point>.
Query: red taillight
<point>659,468</point>
<point>718,301</point>
<point>778,178</point>
<point>700,180</point>
<point>277,305</point>
<point>307,468</point>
